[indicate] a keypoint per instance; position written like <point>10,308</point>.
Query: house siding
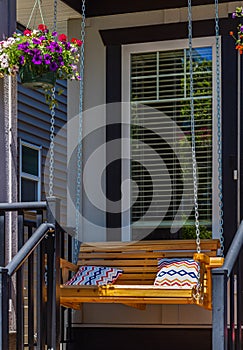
<point>34,127</point>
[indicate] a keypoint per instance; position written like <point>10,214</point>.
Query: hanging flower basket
<point>40,57</point>
<point>33,80</point>
<point>239,35</point>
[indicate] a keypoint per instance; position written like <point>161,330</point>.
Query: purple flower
<point>23,46</point>
<point>67,46</point>
<point>233,14</point>
<point>60,60</point>
<point>59,49</point>
<point>54,34</point>
<point>47,58</point>
<point>42,38</point>
<point>53,46</point>
<point>30,52</point>
<point>241,28</point>
<point>37,59</point>
<point>21,60</point>
<point>36,41</point>
<point>53,66</point>
<point>34,52</point>
<point>37,51</point>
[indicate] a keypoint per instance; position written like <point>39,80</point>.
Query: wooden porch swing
<point>139,260</point>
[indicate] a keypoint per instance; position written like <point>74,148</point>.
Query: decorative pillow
<point>94,275</point>
<point>177,273</point>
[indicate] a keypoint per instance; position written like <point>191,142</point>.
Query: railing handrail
<point>23,206</point>
<point>224,297</point>
<point>233,252</point>
<point>28,247</point>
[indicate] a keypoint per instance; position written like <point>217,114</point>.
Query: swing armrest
<point>211,261</point>
<point>66,267</point>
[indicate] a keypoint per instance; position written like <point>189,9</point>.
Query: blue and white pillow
<point>177,273</point>
<point>94,275</point>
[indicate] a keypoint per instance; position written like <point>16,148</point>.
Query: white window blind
<point>160,100</point>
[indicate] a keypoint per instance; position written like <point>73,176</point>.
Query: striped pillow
<point>94,275</point>
<point>177,273</point>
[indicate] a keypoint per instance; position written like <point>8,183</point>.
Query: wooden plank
<point>144,255</point>
<point>138,276</point>
<point>71,304</point>
<point>125,300</point>
<point>121,256</point>
<point>176,245</point>
<point>136,269</point>
<point>135,282</point>
<point>123,291</point>
<point>120,263</point>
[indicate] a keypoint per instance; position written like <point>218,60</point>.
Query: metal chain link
<point>52,145</point>
<point>219,129</point>
<point>79,149</point>
<point>52,122</point>
<point>55,16</point>
<point>194,160</point>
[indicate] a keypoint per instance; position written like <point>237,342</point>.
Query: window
<point>30,172</point>
<point>161,189</point>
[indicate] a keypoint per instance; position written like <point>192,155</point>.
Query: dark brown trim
<point>96,8</point>
<point>229,93</point>
<point>162,32</point>
<point>229,136</point>
<point>113,132</point>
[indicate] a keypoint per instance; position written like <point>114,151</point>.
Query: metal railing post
<point>2,238</point>
<point>219,317</point>
<point>53,276</point>
<point>20,286</point>
<point>4,309</point>
<point>40,293</point>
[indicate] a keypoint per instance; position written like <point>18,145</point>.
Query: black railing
<point>227,299</point>
<point>34,292</point>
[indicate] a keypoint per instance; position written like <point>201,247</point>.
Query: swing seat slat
<point>139,262</point>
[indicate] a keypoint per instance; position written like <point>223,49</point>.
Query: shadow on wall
<point>140,339</point>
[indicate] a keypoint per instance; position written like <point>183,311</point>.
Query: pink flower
<point>27,32</point>
<point>62,37</point>
<point>42,27</point>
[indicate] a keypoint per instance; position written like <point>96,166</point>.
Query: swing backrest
<point>139,260</point>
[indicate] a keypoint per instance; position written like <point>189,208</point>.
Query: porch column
<point>8,141</point>
<point>8,126</point>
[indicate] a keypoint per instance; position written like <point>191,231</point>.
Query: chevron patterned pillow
<point>177,273</point>
<point>94,275</point>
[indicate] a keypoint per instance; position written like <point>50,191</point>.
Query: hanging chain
<point>55,16</point>
<point>52,136</point>
<point>79,149</point>
<point>194,160</point>
<point>37,2</point>
<point>52,121</point>
<point>219,130</point>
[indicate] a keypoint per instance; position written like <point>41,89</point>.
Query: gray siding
<point>34,127</point>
